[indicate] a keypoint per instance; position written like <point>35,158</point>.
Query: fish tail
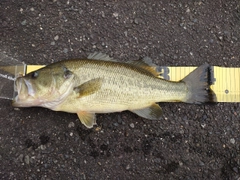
<point>198,84</point>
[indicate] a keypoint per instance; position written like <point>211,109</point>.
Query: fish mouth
<point>25,93</point>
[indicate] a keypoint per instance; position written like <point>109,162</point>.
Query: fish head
<point>46,87</point>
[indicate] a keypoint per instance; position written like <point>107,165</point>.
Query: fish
<point>101,84</point>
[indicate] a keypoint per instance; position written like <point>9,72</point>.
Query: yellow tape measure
<point>226,81</point>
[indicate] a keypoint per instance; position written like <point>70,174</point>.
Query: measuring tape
<point>226,81</point>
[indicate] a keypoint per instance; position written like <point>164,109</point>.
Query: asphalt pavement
<point>188,142</point>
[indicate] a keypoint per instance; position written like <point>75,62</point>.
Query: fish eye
<point>35,74</point>
<point>67,73</point>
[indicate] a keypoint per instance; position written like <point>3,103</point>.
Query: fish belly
<point>116,97</point>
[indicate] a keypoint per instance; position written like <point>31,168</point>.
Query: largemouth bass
<point>99,84</point>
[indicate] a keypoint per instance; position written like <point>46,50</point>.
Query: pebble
<point>131,125</point>
<point>203,125</point>
<point>71,125</point>
<point>20,157</point>
<point>26,159</point>
<point>195,20</point>
<point>84,176</point>
<point>201,163</point>
<point>103,14</point>
<point>211,40</point>
<point>136,21</point>
<point>119,119</point>
<point>24,22</point>
<point>32,159</point>
<point>161,55</point>
<point>56,37</point>
<point>55,161</point>
<point>43,147</point>
<point>181,131</point>
<point>115,124</point>
<point>115,14</point>
<point>204,116</point>
<point>232,140</point>
<point>181,24</point>
<point>46,166</point>
<point>157,160</point>
<point>65,50</point>
<point>53,43</point>
<point>235,169</point>
<point>175,57</point>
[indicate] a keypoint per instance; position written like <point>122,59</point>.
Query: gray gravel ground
<point>189,142</point>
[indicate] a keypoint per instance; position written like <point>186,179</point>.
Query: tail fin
<point>198,83</point>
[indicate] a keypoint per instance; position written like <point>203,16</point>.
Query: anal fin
<point>153,112</point>
<point>87,118</point>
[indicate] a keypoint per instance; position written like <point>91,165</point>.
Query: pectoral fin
<point>153,112</point>
<point>86,118</point>
<point>89,87</point>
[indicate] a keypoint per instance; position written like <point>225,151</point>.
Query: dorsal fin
<point>146,64</point>
<point>100,56</point>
